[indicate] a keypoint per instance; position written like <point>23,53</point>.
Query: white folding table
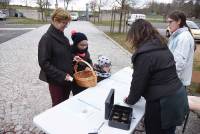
<point>84,113</point>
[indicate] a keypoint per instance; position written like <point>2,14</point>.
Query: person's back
<point>155,78</point>
<point>161,68</point>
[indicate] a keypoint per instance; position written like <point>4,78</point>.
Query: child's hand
<point>77,58</point>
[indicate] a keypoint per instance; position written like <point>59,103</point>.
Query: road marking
<point>17,28</point>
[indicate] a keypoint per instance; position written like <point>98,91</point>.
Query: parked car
<point>195,30</point>
<point>133,17</point>
<point>74,16</point>
<point>19,14</point>
<point>2,15</point>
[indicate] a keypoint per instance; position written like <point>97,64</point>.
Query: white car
<point>133,17</point>
<point>2,15</point>
<point>195,30</point>
<point>74,16</point>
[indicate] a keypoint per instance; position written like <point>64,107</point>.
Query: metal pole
<point>87,12</point>
<point>56,5</point>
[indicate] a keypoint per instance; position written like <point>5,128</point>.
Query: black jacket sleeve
<point>44,58</point>
<point>140,78</point>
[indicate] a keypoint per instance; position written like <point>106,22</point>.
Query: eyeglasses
<point>64,22</point>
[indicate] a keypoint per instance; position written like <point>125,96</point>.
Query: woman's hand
<point>68,78</point>
<point>77,58</point>
<point>125,100</point>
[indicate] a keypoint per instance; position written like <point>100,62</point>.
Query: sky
<point>74,4</point>
<point>77,4</point>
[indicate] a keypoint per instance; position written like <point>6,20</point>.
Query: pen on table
<point>96,131</point>
<point>100,126</point>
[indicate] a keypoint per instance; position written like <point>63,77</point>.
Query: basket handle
<point>76,65</point>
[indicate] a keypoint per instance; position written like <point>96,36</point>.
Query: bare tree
<point>123,6</point>
<point>25,1</point>
<point>56,5</point>
<point>197,10</point>
<point>99,6</point>
<point>187,8</point>
<point>46,9</point>
<point>93,6</point>
<point>66,3</point>
<point>4,3</point>
<point>41,4</point>
<point>101,3</point>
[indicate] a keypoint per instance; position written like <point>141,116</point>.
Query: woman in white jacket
<point>181,44</point>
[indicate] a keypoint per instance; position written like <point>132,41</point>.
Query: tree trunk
<point>120,21</point>
<point>99,14</point>
<point>121,15</point>
<point>42,12</point>
<point>99,11</point>
<point>67,5</point>
<point>64,5</point>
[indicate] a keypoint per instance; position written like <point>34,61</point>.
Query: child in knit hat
<point>103,68</point>
<point>80,48</point>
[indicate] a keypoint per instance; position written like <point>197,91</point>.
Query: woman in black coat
<point>55,57</point>
<point>155,79</point>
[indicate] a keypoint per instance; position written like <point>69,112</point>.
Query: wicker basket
<point>85,78</point>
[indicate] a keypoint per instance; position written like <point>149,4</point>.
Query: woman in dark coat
<point>55,57</point>
<point>155,79</point>
<point>80,49</point>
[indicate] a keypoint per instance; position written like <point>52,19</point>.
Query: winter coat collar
<point>53,29</point>
<point>149,46</point>
<point>58,35</point>
<point>177,32</point>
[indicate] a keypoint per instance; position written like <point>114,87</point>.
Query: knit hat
<point>77,37</point>
<point>103,61</point>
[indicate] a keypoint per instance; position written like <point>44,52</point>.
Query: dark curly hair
<point>178,15</point>
<point>142,31</point>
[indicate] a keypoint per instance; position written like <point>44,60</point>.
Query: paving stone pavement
<point>22,94</point>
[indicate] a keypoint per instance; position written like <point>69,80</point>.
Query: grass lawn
<point>121,39</point>
<point>153,19</point>
<point>105,22</point>
<point>15,20</point>
<point>196,66</point>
